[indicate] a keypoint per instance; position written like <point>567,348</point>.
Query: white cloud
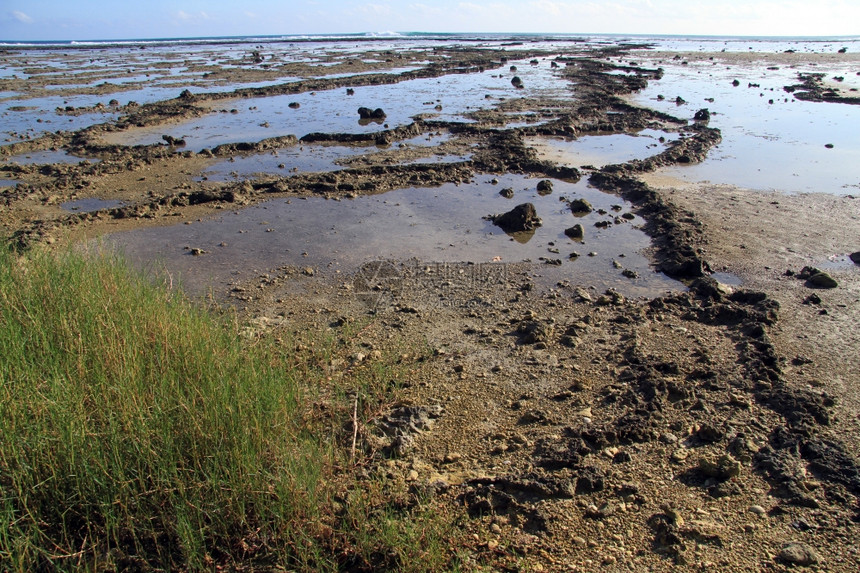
<point>186,17</point>
<point>21,17</point>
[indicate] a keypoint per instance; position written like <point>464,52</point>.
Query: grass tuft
<point>140,431</point>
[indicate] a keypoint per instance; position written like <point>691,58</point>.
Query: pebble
<point>798,554</point>
<point>580,541</point>
<point>758,510</point>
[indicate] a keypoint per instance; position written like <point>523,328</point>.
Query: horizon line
<point>393,35</point>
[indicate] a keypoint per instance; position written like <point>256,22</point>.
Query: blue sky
<point>115,19</point>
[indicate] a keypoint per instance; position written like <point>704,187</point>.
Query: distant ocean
<point>432,36</point>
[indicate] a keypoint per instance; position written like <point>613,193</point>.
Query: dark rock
<point>855,257</point>
<point>581,206</point>
<point>575,232</point>
<point>367,113</point>
<point>507,193</point>
<point>294,105</point>
<point>703,114</point>
<point>523,217</point>
<point>174,141</point>
<point>517,82</point>
<point>544,187</point>
<point>812,299</point>
<point>822,280</point>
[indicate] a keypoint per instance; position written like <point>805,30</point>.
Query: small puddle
<point>443,224</point>
<point>727,279</point>
<point>310,158</point>
<point>91,204</point>
<point>601,150</point>
<point>48,157</point>
<point>296,159</point>
<point>8,182</point>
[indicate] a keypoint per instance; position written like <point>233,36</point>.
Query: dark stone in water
<point>575,232</point>
<point>581,206</point>
<point>523,217</point>
<point>544,187</point>
<point>855,257</point>
<point>517,82</point>
<point>703,114</point>
<point>367,113</point>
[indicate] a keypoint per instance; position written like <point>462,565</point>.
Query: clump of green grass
<point>138,430</point>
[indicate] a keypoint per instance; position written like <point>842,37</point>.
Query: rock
<point>581,206</point>
<point>544,187</point>
<point>517,82</point>
<point>523,217</point>
<point>822,280</point>
<point>294,105</point>
<point>575,232</point>
<point>855,257</point>
<point>758,510</point>
<point>507,193</point>
<point>723,467</point>
<point>367,113</point>
<point>798,554</point>
<point>703,114</point>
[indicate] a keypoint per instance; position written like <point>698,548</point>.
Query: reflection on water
<point>601,150</point>
<point>444,224</point>
<point>48,157</point>
<point>771,141</point>
<point>90,204</point>
<point>446,98</point>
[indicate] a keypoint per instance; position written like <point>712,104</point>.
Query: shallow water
<point>601,150</point>
<point>48,157</point>
<point>771,141</point>
<point>430,225</point>
<point>90,204</point>
<point>308,158</point>
<point>332,111</point>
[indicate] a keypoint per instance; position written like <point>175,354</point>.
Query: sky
<point>22,20</point>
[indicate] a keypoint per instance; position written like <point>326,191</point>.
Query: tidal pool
<point>90,204</point>
<point>48,157</point>
<point>600,150</point>
<point>444,224</point>
<point>771,141</point>
<point>446,98</point>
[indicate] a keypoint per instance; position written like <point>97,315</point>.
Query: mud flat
<point>575,420</point>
